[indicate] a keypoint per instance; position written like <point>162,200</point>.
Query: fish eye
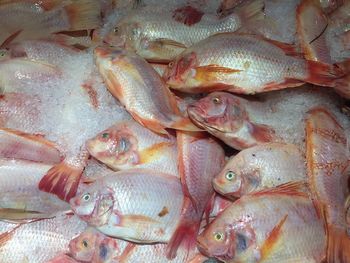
<point>230,175</point>
<point>116,29</point>
<point>216,100</point>
<point>171,64</point>
<point>85,244</point>
<point>86,197</point>
<point>218,236</point>
<point>105,135</point>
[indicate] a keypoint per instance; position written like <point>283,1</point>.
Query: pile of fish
<point>174,131</point>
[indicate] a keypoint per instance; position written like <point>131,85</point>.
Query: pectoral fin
<point>213,72</point>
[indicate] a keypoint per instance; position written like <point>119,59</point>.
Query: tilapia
<point>34,19</point>
<point>20,197</point>
<point>138,205</point>
<point>141,90</point>
<point>257,228</point>
<point>128,145</point>
<point>260,167</point>
<point>159,34</point>
<point>328,161</point>
<point>246,64</point>
<point>44,239</point>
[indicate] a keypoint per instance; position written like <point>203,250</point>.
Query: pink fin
<point>187,15</point>
<point>10,39</point>
<point>262,133</point>
<point>61,180</point>
<point>323,74</point>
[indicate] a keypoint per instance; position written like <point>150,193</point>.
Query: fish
<point>312,22</point>
<point>158,34</point>
<point>196,173</point>
<point>260,167</point>
<point>140,90</point>
<point>35,19</point>
<point>272,117</point>
<point>234,62</point>
<point>19,192</point>
<point>138,205</point>
<point>256,227</point>
<point>328,162</point>
<point>57,110</point>
<point>128,145</point>
<point>93,246</point>
<point>45,238</point>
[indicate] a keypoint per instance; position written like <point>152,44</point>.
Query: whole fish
<point>275,117</point>
<point>93,246</point>
<point>158,35</point>
<point>138,205</point>
<point>58,109</point>
<point>196,173</point>
<point>21,19</point>
<point>128,145</point>
<point>328,161</point>
<point>245,64</point>
<point>260,167</point>
<point>257,227</point>
<point>140,89</point>
<point>45,239</point>
<point>19,192</point>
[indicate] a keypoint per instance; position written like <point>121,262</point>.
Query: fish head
<point>4,54</point>
<point>228,182</point>
<point>227,242</point>
<point>125,35</point>
<point>83,246</point>
<point>116,147</point>
<point>219,111</point>
<point>94,205</point>
<point>181,72</point>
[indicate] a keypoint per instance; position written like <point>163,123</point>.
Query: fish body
<point>328,163</point>
<point>45,239</point>
<point>260,167</point>
<point>244,64</point>
<point>128,145</point>
<point>140,89</point>
<point>157,34</point>
<point>256,228</point>
<point>138,205</point>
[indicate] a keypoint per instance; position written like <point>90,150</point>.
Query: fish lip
<point>201,122</point>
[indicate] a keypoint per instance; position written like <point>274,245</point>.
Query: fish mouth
<point>195,116</point>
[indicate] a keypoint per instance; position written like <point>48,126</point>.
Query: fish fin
<point>61,180</point>
<point>338,245</point>
<point>287,83</point>
<point>342,86</point>
<point>139,218</point>
<point>10,39</point>
<point>123,258</point>
<point>6,236</point>
<point>153,125</point>
<point>291,188</point>
<point>149,154</point>
<point>262,133</point>
<point>272,239</point>
<point>213,72</point>
<point>251,13</point>
<point>161,42</point>
<point>21,215</point>
<point>187,15</point>
<point>21,145</point>
<point>209,207</point>
<point>83,14</point>
<point>322,74</point>
<point>311,25</point>
<point>184,124</point>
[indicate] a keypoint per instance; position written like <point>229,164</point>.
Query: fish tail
<point>61,180</point>
<point>83,14</point>
<point>251,12</point>
<point>322,74</point>
<point>338,247</point>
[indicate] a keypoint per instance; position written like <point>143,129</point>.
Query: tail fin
<point>251,12</point>
<point>84,14</point>
<point>61,180</point>
<point>322,74</point>
<point>338,248</point>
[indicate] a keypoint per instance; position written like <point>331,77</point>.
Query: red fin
<point>212,72</point>
<point>288,83</point>
<point>6,236</point>
<point>338,247</point>
<point>262,133</point>
<point>9,40</point>
<point>161,42</point>
<point>61,180</point>
<point>289,50</point>
<point>209,207</point>
<point>153,152</point>
<point>187,15</point>
<point>126,252</point>
<point>154,125</point>
<point>291,188</point>
<point>323,74</point>
<point>272,239</point>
